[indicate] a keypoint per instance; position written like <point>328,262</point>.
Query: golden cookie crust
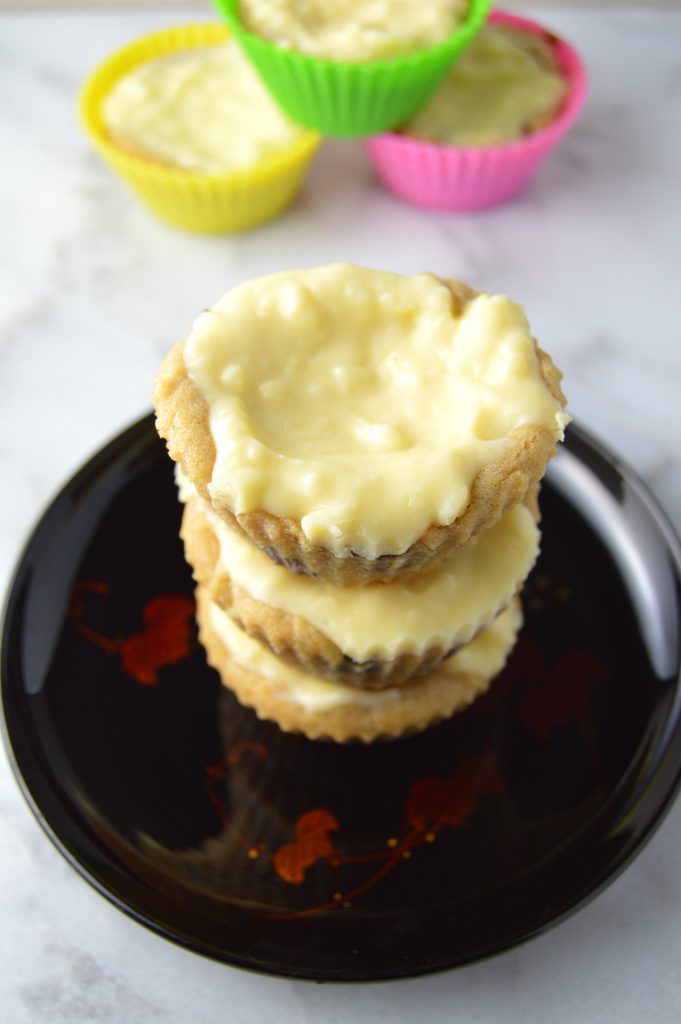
<point>182,420</point>
<point>417,704</point>
<point>290,636</point>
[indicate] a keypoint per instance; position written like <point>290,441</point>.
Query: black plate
<point>328,862</point>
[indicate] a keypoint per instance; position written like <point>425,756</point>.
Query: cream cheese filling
<point>503,84</point>
<point>358,403</point>
<point>440,607</point>
<point>200,109</point>
<point>484,656</point>
<point>346,30</point>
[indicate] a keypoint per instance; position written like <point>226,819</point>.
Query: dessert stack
<point>359,455</point>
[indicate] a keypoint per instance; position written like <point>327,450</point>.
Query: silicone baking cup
<point>352,99</point>
<point>210,203</point>
<point>444,177</point>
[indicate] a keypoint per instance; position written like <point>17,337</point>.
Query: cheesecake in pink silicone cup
<point>475,175</point>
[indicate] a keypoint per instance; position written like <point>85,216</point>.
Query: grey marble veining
<point>93,292</point>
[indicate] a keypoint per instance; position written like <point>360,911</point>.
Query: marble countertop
<point>93,292</point>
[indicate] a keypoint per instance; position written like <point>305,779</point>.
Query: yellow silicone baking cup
<point>210,203</point>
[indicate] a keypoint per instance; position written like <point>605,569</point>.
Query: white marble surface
<point>92,293</point>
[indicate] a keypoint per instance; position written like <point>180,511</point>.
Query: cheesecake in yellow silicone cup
<point>182,117</point>
<point>350,69</point>
<point>359,425</point>
<point>320,709</point>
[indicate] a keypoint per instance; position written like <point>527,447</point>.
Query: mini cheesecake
<point>358,426</point>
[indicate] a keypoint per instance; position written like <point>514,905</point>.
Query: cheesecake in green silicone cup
<point>364,73</point>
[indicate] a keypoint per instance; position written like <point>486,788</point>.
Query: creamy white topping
<point>484,656</point>
<point>358,403</point>
<point>441,607</point>
<point>346,30</point>
<point>199,109</point>
<point>503,85</point>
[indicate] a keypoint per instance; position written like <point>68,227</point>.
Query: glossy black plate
<point>319,861</point>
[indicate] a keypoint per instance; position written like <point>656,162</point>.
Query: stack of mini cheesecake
<point>359,636</point>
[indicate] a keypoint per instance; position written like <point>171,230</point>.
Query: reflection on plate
<point>272,852</point>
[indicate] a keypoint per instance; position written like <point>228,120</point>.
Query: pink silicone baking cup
<point>443,177</point>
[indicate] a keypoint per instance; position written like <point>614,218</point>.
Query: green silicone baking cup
<point>349,100</point>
